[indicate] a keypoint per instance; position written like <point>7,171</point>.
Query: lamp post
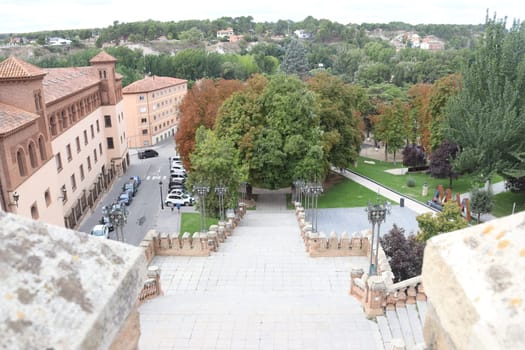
<point>202,191</point>
<point>161,202</point>
<point>298,188</point>
<point>376,215</point>
<point>221,191</point>
<point>315,189</point>
<point>243,191</point>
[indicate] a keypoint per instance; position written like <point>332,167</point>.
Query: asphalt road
<point>146,205</point>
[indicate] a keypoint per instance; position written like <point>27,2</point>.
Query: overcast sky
<point>18,16</point>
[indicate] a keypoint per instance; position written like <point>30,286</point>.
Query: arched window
<point>42,148</point>
<point>34,212</point>
<point>53,125</point>
<point>64,120</point>
<point>32,154</point>
<point>21,161</point>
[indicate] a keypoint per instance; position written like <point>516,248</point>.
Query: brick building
<point>62,137</point>
<point>152,109</point>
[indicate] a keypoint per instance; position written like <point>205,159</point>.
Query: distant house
<point>225,33</point>
<point>302,34</point>
<point>432,43</point>
<point>236,38</point>
<point>56,41</point>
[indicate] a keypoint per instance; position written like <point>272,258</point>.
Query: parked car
<point>100,231</point>
<point>178,191</point>
<point>125,197</point>
<point>177,167</point>
<point>130,186</point>
<point>137,180</point>
<point>177,178</point>
<point>173,199</point>
<point>148,153</point>
<point>178,172</point>
<point>176,184</point>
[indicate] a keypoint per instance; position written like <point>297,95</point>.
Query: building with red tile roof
<point>152,109</point>
<point>62,137</point>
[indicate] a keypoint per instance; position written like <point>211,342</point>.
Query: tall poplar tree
<point>295,60</point>
<point>487,117</point>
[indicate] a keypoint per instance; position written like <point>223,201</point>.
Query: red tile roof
<point>12,118</point>
<point>61,82</point>
<point>103,57</point>
<point>152,83</point>
<point>13,68</point>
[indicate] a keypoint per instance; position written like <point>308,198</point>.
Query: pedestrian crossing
<point>155,177</point>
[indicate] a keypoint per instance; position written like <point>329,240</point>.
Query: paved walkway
<point>259,291</point>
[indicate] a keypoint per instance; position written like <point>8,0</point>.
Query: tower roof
<point>102,57</point>
<point>152,83</point>
<point>13,68</point>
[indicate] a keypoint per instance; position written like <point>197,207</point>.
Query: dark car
<point>148,153</point>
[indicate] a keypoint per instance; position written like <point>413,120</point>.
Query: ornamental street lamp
<point>315,189</point>
<point>201,192</point>
<point>376,215</point>
<point>298,188</point>
<point>221,191</point>
<point>243,191</point>
<point>161,202</point>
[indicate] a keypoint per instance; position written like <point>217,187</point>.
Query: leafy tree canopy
<point>448,220</point>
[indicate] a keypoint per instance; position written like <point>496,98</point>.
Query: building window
<point>100,148</point>
<point>143,120</point>
<point>89,163</point>
<point>92,131</point>
<point>143,109</point>
<point>95,155</point>
<point>81,169</point>
<point>110,142</point>
<point>77,141</point>
<point>107,121</point>
<point>20,159</point>
<point>85,137</point>
<point>98,126</point>
<point>68,152</point>
<point>141,98</point>
<point>58,161</point>
<point>42,148</point>
<point>32,155</point>
<point>34,212</point>
<point>144,131</point>
<point>73,182</point>
<point>47,197</point>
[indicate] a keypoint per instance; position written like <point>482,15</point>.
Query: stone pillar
<point>154,273</point>
<point>376,292</point>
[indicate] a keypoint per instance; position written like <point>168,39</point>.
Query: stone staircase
<point>405,324</point>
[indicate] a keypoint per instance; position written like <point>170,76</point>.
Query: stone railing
<point>198,244</point>
<point>317,244</point>
<point>152,286</point>
<point>378,293</point>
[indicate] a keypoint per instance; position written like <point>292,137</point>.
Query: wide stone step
<point>415,323</point>
<point>384,329</point>
<point>408,336</point>
<point>393,321</point>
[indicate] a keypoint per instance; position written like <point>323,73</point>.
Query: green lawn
<point>399,182</point>
<point>339,192</point>
<point>503,203</point>
<point>190,222</point>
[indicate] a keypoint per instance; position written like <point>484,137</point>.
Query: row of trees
<point>280,127</point>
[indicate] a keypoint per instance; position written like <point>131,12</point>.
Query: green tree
<point>390,126</point>
<point>487,117</point>
<point>341,107</point>
<point>215,162</point>
<point>450,219</point>
<point>193,35</point>
<point>481,202</point>
<point>276,127</point>
<point>295,61</point>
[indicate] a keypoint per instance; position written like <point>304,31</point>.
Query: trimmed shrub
<point>411,182</point>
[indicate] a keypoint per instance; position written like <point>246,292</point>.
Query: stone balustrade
<point>378,293</point>
<point>152,286</point>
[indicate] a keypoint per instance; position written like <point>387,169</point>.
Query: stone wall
<point>475,282</point>
<point>63,289</point>
<point>198,244</point>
